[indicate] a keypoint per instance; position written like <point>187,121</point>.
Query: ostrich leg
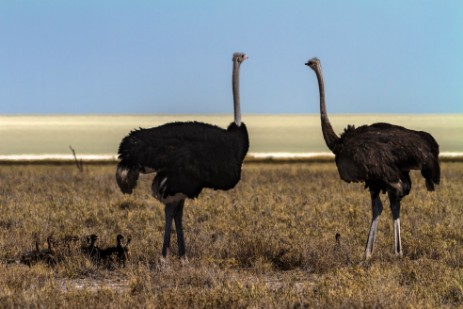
<point>377,208</point>
<point>178,214</point>
<point>395,209</point>
<point>169,213</point>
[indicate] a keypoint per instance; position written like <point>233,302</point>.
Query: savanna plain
<point>268,243</point>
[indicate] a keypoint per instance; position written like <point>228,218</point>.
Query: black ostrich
<point>381,155</point>
<point>186,157</point>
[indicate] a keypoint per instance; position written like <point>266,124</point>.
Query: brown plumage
<point>90,248</point>
<point>46,255</point>
<point>381,155</point>
<point>32,257</point>
<point>123,253</point>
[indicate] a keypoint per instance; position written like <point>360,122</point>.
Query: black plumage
<point>381,155</point>
<point>186,157</point>
<point>189,155</point>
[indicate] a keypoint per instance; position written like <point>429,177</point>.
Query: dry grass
<point>269,243</point>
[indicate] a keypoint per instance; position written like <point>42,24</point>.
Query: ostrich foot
<point>397,240</point>
<point>371,239</point>
<point>377,209</point>
<point>367,255</point>
<point>164,264</point>
<point>184,260</point>
<point>167,253</point>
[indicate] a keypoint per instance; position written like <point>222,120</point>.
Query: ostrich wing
<point>192,155</point>
<point>383,152</point>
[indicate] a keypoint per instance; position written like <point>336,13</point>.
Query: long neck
<point>328,133</point>
<point>236,92</point>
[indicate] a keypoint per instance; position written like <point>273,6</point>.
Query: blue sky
<point>170,57</point>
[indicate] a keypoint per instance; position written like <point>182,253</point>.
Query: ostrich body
<point>186,157</point>
<point>46,255</point>
<point>107,253</point>
<point>91,249</point>
<point>381,155</point>
<point>123,252</point>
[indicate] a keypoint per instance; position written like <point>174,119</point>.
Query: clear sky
<point>172,56</point>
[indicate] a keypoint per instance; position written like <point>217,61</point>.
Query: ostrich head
<point>313,63</point>
<point>92,239</point>
<point>239,57</point>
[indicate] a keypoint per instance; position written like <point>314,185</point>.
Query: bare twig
<point>79,163</point>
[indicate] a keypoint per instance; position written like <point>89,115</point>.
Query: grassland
<point>268,243</point>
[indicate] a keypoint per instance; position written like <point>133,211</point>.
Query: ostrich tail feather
<point>127,177</point>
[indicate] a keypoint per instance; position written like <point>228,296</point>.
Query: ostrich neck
<point>328,133</point>
<point>236,92</point>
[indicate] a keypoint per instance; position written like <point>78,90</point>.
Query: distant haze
<point>101,135</point>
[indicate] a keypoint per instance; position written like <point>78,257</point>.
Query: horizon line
<point>250,157</point>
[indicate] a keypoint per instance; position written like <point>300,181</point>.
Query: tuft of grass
<point>268,243</point>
